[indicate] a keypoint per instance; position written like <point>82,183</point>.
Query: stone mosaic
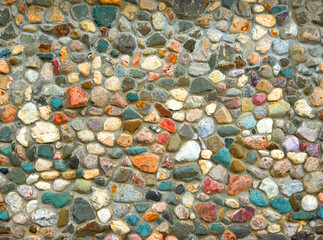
<point>171,119</point>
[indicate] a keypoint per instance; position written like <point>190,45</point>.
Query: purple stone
<point>291,144</point>
<point>282,18</point>
<point>243,215</point>
<point>168,161</point>
<point>313,150</point>
<point>253,78</point>
<point>95,124</point>
<point>280,82</point>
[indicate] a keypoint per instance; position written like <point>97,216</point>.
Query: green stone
<point>102,45</point>
<point>82,186</point>
<point>184,25</point>
<point>144,15</point>
<point>59,200</point>
<point>179,70</point>
<point>137,73</point>
<point>5,134</point>
<point>80,12</point>
<point>8,188</point>
<point>130,114</point>
<point>212,61</point>
<point>27,38</point>
<point>156,40</point>
<point>278,109</point>
<point>217,228</point>
<point>104,15</point>
<point>225,131</point>
<point>166,83</point>
<point>46,151</point>
<point>186,173</point>
<point>200,85</point>
<point>17,175</point>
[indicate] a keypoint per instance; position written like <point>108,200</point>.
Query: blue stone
<point>57,199</point>
<point>104,15</point>
<point>278,8</point>
<point>252,157</point>
<point>320,212</point>
<point>303,216</point>
<point>287,73</point>
<point>132,97</point>
<point>28,168</point>
<point>136,151</point>
<point>228,142</point>
<point>130,114</point>
<point>4,214</point>
<point>281,204</point>
<point>60,165</point>
<point>5,134</point>
<point>257,198</point>
<point>56,103</point>
<point>205,127</point>
<point>166,186</point>
<point>4,170</point>
<point>223,157</point>
<point>121,71</point>
<point>144,229</point>
<point>227,3</point>
<point>5,53</point>
<point>115,153</point>
<point>45,55</point>
<point>217,228</point>
<point>132,219</point>
<point>260,113</point>
<point>246,120</point>
<point>5,150</point>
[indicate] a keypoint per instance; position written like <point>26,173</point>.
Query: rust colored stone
<point>206,211</point>
<point>76,97</point>
<point>150,217</point>
<point>163,112</point>
<point>238,184</point>
<point>131,125</point>
<point>146,162</point>
<point>7,114</point>
<point>61,30</point>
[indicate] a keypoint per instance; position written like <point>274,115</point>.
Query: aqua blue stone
<point>252,157</point>
<point>5,134</point>
<point>217,228</point>
<point>281,204</point>
<point>28,168</point>
<point>132,219</point>
<point>60,165</point>
<point>228,142</point>
<point>122,71</point>
<point>257,198</point>
<point>4,214</point>
<point>132,96</point>
<point>102,45</point>
<point>130,114</point>
<point>226,131</point>
<point>141,206</point>
<point>5,150</point>
<point>223,157</point>
<point>46,151</point>
<point>278,8</point>
<point>5,53</point>
<point>56,103</point>
<point>79,172</point>
<point>246,120</point>
<point>303,216</point>
<point>287,73</point>
<point>144,229</point>
<point>320,212</point>
<point>115,153</point>
<point>136,151</point>
<point>104,15</point>
<point>59,200</point>
<point>166,186</point>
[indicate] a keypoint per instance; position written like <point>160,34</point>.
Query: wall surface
<point>173,119</point>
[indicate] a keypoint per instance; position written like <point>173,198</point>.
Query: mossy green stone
<point>156,40</point>
<point>17,175</point>
<point>225,131</point>
<point>80,12</point>
<point>82,186</point>
<point>200,85</point>
<point>186,173</point>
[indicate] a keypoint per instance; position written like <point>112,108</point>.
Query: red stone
<point>242,215</point>
<point>238,184</point>
<point>206,211</point>
<point>163,112</point>
<point>167,124</point>
<point>259,99</point>
<point>163,138</point>
<point>211,187</point>
<point>59,118</point>
<point>3,160</point>
<point>303,146</point>
<point>7,114</point>
<point>76,97</point>
<point>55,66</point>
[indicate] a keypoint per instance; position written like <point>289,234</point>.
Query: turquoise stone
<point>115,153</point>
<point>4,214</point>
<point>186,173</point>
<point>132,219</point>
<point>136,151</point>
<point>56,103</point>
<point>5,134</point>
<point>104,15</point>
<point>59,200</point>
<point>320,212</point>
<point>287,73</point>
<point>102,45</point>
<point>257,198</point>
<point>281,204</point>
<point>166,186</point>
<point>130,114</point>
<point>80,12</point>
<point>28,168</point>
<point>143,15</point>
<point>5,150</point>
<point>132,96</point>
<point>144,229</point>
<point>46,151</point>
<point>217,228</point>
<point>60,165</point>
<point>141,206</point>
<point>223,157</point>
<point>303,216</point>
<point>252,157</point>
<point>79,172</point>
<point>228,142</point>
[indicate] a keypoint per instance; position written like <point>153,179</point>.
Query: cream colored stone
<point>112,84</point>
<point>275,94</point>
<point>179,94</point>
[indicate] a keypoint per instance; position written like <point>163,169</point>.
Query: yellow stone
<point>87,26</point>
<point>246,105</point>
<point>240,25</point>
<point>111,2</point>
<point>124,140</point>
<point>34,14</point>
<point>216,76</point>
<point>223,116</point>
<point>275,94</point>
<point>213,7</point>
<point>54,15</point>
<point>17,50</point>
<point>92,173</point>
<point>266,20</point>
<point>69,174</point>
<point>50,175</point>
<point>84,69</point>
<point>97,77</point>
<point>179,94</point>
<point>73,77</point>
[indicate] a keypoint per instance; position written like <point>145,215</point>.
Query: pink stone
<point>174,45</point>
<point>55,66</point>
<point>242,215</point>
<point>238,184</point>
<point>259,99</point>
<point>163,138</point>
<point>153,76</point>
<point>167,71</point>
<point>206,211</point>
<point>211,187</point>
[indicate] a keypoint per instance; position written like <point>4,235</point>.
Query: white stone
<point>205,166</point>
<point>162,174</point>
<point>28,114</point>
<point>151,63</point>
<point>31,75</point>
<point>119,227</point>
<point>297,157</point>
<point>206,154</point>
<point>95,148</point>
<point>179,116</point>
<point>23,136</point>
<point>303,109</point>
<point>210,108</point>
<point>188,199</point>
<point>258,32</point>
<point>45,132</point>
<point>86,136</point>
<point>60,184</point>
<point>214,35</point>
<point>232,203</point>
<point>269,187</point>
<point>265,125</point>
<point>31,205</point>
<point>189,151</point>
<point>20,218</point>
<point>242,80</point>
<point>112,84</point>
<point>106,138</point>
<point>277,154</point>
<point>104,215</point>
<point>45,112</point>
<point>309,203</point>
<point>174,105</point>
<point>43,185</point>
<point>216,76</point>
<point>179,94</point>
<point>44,217</point>
<point>43,165</point>
<point>158,21</point>
<point>14,201</point>
<point>99,197</point>
<point>32,178</point>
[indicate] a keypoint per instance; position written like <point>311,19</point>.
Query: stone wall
<point>173,119</point>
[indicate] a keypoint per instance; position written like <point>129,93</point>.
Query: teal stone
<point>228,3</point>
<point>184,25</point>
<point>104,15</point>
<point>132,219</point>
<point>144,229</point>
<point>320,212</point>
<point>14,160</point>
<point>46,151</point>
<point>17,175</point>
<point>141,206</point>
<point>28,168</point>
<point>143,15</point>
<point>223,157</point>
<point>79,173</point>
<point>9,32</point>
<point>59,200</point>
<point>166,186</point>
<point>186,173</point>
<point>137,73</point>
<point>8,188</point>
<point>115,153</point>
<point>303,216</point>
<point>56,103</point>
<point>287,73</point>
<point>4,214</point>
<point>114,53</point>
<point>228,142</point>
<point>179,70</point>
<point>45,56</point>
<point>281,204</point>
<point>226,131</point>
<point>200,229</point>
<point>60,165</point>
<point>80,12</point>
<point>5,53</point>
<point>278,8</point>
<point>5,149</point>
<point>156,40</point>
<point>132,96</point>
<point>130,114</point>
<point>102,45</point>
<point>218,199</point>
<point>246,120</point>
<point>172,198</point>
<point>217,228</point>
<point>252,157</point>
<point>5,134</point>
<point>136,151</point>
<point>166,83</point>
<point>201,85</point>
<point>257,198</point>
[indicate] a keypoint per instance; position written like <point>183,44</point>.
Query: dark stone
<point>61,30</point>
<point>104,15</point>
<point>17,175</point>
<point>73,162</point>
<point>82,210</point>
<point>189,45</point>
<point>179,189</point>
<point>4,16</point>
<point>181,230</point>
<point>240,230</point>
<point>303,235</point>
<point>123,175</point>
<point>125,43</point>
<point>153,195</point>
<point>200,85</point>
<point>127,84</point>
<point>156,40</point>
<point>91,229</point>
<point>189,8</point>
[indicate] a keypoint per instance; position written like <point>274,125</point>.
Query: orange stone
<point>240,25</point>
<point>136,58</point>
<point>238,184</point>
<point>64,54</point>
<point>254,58</point>
<point>34,14</point>
<point>76,97</point>
<point>161,52</point>
<point>170,14</point>
<point>7,114</point>
<point>5,82</point>
<point>155,236</point>
<point>146,162</point>
<point>171,58</point>
<point>255,142</point>
<point>174,46</point>
<point>4,68</point>
<point>150,217</point>
<point>110,2</point>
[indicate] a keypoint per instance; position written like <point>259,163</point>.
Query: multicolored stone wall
<point>172,119</point>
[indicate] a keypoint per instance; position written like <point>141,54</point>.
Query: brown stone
<point>214,143</point>
<point>131,125</point>
<point>91,229</point>
<point>146,162</point>
<point>238,166</point>
<point>5,82</point>
<point>280,168</point>
<point>111,2</point>
<point>4,98</point>
<point>124,140</point>
<point>63,217</point>
<point>100,96</point>
<point>317,97</point>
<point>237,150</point>
<point>61,30</point>
<point>238,184</point>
